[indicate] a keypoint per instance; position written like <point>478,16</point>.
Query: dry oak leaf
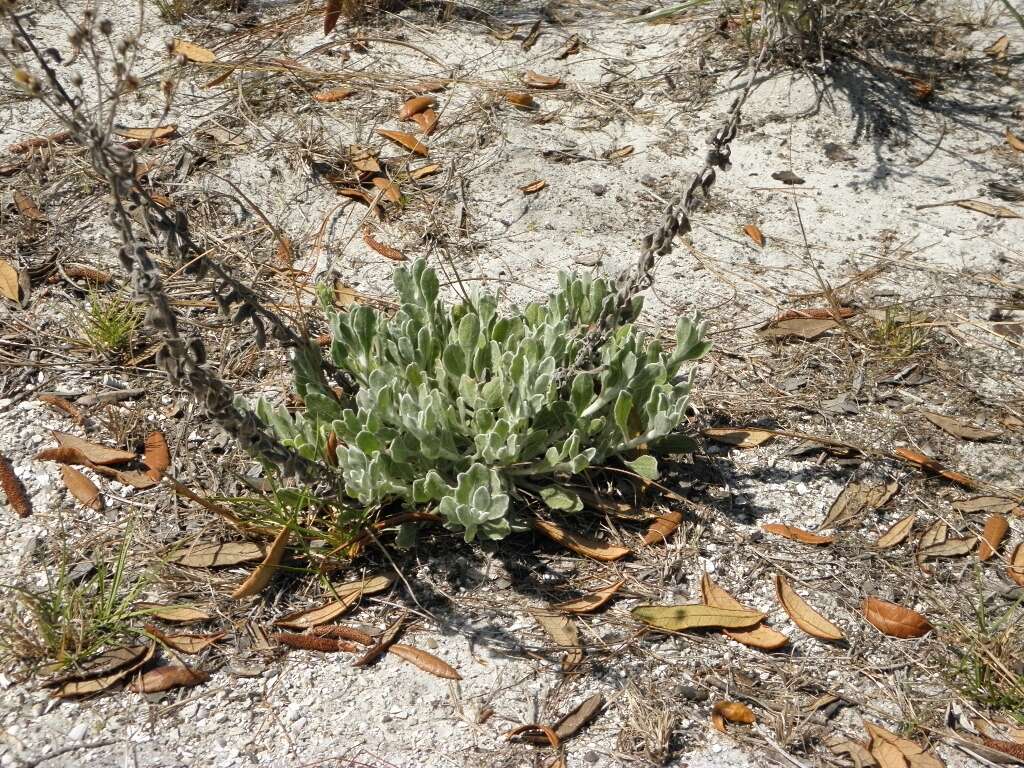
<point>932,465</point>
<point>854,750</point>
<point>591,601</point>
<point>1016,568</point>
<point>796,534</point>
<point>580,544</point>
<point>423,171</point>
<point>998,49</point>
<point>167,677</point>
<point>332,12</point>
<point>996,528</point>
<point>738,437</point>
<point>184,643</point>
<point>995,504</point>
<point>894,620</point>
<point>955,547</point>
<point>81,487</point>
<point>347,595</point>
<point>75,450</point>
<point>662,527</point>
<point>805,617</point>
<point>416,105</point>
<point>678,618</point>
<point>762,637</point>
<point>175,614</point>
<point>520,100</point>
<point>192,52</point>
<point>11,282</point>
<point>562,629</point>
<point>332,95</point>
<point>264,572</point>
<point>104,671</point>
<point>533,187</point>
<point>426,121</point>
<point>892,751</point>
<point>1014,141</point>
<point>391,191</point>
<point>406,140</point>
<point>14,489</point>
<point>156,456</point>
<point>754,233</point>
<point>576,720</point>
<point>731,712</point>
<point>537,80</point>
<point>856,500</point>
<point>147,134</point>
<point>428,662</point>
<point>27,206</point>
<point>897,533</point>
<point>960,429</point>
<point>217,554</point>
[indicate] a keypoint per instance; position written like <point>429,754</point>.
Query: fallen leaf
<point>426,121</point>
<point>332,95</point>
<point>406,140</point>
<point>855,501</point>
<point>537,80</point>
<point>933,466</point>
<point>345,296</point>
<point>731,712</point>
<point>572,46</point>
<point>1014,141</point>
<point>954,547</point>
<point>11,282</point>
<point>892,751</point>
<point>754,233</point>
<point>426,170</point>
<point>62,404</point>
<point>192,52</point>
<point>578,719</point>
<point>27,206</point>
<point>998,49</point>
<point>1015,570</point>
<point>996,528</point>
<point>787,177</point>
<point>562,629</point>
<point>115,665</point>
<point>217,555</point>
<point>995,504</point>
<point>796,534</point>
<point>894,620</point>
<point>187,644</point>
<point>662,527</point>
<point>897,533</point>
<point>960,429</point>
<point>175,614</point>
<point>802,328</point>
<point>531,37</point>
<point>167,677</point>
<point>592,601</point>
<point>102,664</point>
<point>314,643</point>
<point>332,12</point>
<point>81,487</point>
<point>520,100</point>
<point>533,187</point>
<point>998,211</point>
<point>580,544</point>
<point>36,142</point>
<point>678,618</point>
<point>856,752</point>
<point>805,617</point>
<point>156,456</point>
<point>75,450</point>
<point>762,637</point>
<point>535,733</point>
<point>264,572</point>
<point>813,313</point>
<point>391,191</point>
<point>428,662</point>
<point>347,595</point>
<point>14,489</point>
<point>416,105</point>
<point>738,437</point>
<point>384,250</point>
<point>147,134</point>
<point>619,152</point>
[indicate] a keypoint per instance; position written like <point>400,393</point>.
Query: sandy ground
<point>869,155</point>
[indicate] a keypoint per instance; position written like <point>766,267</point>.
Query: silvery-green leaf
<point>646,466</point>
<point>557,497</point>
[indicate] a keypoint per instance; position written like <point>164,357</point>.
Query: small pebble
<point>78,732</point>
<point>598,189</point>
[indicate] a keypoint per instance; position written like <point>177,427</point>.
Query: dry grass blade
<point>428,662</point>
<point>796,534</point>
<point>592,601</point>
<point>996,528</point>
<point>264,572</point>
<point>805,617</point>
<point>81,487</point>
<point>764,638</point>
<point>580,544</point>
<point>14,490</point>
<point>894,620</point>
<point>899,531</point>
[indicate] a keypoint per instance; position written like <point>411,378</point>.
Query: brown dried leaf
<point>537,80</point>
<point>218,555</point>
<point>996,528</point>
<point>662,527</point>
<point>175,614</point>
<point>14,489</point>
<point>348,594</point>
<point>533,187</point>
<point>803,328</point>
<point>332,12</point>
<point>428,662</point>
<point>61,137</point>
<point>731,712</point>
<point>591,601</point>
<point>580,544</point>
<point>27,206</point>
<point>264,572</point>
<point>572,47</point>
<point>156,456</point>
<point>578,719</point>
<point>426,170</point>
<point>738,437</point>
<point>894,620</point>
<point>679,618</point>
<point>416,105</point>
<point>561,629</point>
<point>980,206</point>
<point>167,677</point>
<point>897,533</point>
<point>12,282</point>
<point>754,233</point>
<point>383,642</point>
<point>762,637</point>
<point>75,450</point>
<point>1015,570</point>
<point>81,487</point>
<point>619,152</point>
<point>103,671</point>
<point>994,504</point>
<point>406,140</point>
<point>391,191</point>
<point>892,751</point>
<point>854,750</point>
<point>1014,141</point>
<point>536,734</point>
<point>855,501</point>
<point>384,250</point>
<point>949,548</point>
<point>62,404</point>
<point>960,429</point>
<point>147,134</point>
<point>520,100</point>
<point>796,534</point>
<point>426,121</point>
<point>805,617</point>
<point>998,49</point>
<point>192,52</point>
<point>332,95</point>
<point>363,159</point>
<point>187,644</point>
